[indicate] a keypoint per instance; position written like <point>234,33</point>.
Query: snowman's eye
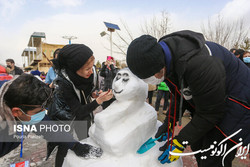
<point>118,77</point>
<point>125,77</point>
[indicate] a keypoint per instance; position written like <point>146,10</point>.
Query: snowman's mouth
<point>117,92</point>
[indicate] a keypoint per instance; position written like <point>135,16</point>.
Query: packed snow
<point>122,128</point>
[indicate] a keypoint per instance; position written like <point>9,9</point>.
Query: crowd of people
<point>195,75</point>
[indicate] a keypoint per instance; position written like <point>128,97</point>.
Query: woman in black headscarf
<point>72,97</point>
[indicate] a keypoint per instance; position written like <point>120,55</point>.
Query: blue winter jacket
<point>237,94</point>
<point>215,86</point>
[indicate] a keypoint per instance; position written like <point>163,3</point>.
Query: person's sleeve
<point>112,67</point>
<point>206,79</point>
<point>19,71</point>
<point>81,110</point>
<point>47,79</point>
<point>103,71</point>
<point>60,136</point>
<point>113,70</point>
<point>6,147</point>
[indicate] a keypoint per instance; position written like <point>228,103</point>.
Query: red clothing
<point>4,77</point>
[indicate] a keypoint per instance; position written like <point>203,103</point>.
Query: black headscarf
<point>71,58</point>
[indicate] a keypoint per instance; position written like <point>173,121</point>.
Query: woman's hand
<point>104,96</point>
<point>96,93</point>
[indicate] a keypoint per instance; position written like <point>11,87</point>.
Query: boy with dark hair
<point>23,101</point>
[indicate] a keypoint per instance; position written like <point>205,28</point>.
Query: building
<point>27,58</point>
<point>39,53</point>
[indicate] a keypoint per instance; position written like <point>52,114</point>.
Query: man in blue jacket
<point>204,78</point>
<point>23,102</point>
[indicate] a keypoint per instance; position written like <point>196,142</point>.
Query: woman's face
<point>86,70</point>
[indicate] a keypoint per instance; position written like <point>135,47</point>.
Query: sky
<point>84,19</point>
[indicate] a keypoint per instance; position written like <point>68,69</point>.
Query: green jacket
<point>163,86</point>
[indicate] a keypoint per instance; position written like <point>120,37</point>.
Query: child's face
<point>246,55</point>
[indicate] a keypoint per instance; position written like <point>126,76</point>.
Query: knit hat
<point>145,57</point>
<point>74,56</point>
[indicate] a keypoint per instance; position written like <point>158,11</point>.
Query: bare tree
<point>246,45</point>
<point>98,65</point>
<point>157,27</point>
<point>227,34</point>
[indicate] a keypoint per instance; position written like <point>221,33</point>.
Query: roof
<point>37,38</point>
<point>38,34</point>
<point>27,50</point>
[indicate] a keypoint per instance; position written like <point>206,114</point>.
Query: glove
<point>87,151</point>
<point>176,148</point>
<point>163,130</point>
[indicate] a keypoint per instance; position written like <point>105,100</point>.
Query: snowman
<point>129,121</point>
<point>123,127</point>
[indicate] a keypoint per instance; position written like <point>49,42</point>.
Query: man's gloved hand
<point>87,151</point>
<point>163,130</point>
<point>166,157</point>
